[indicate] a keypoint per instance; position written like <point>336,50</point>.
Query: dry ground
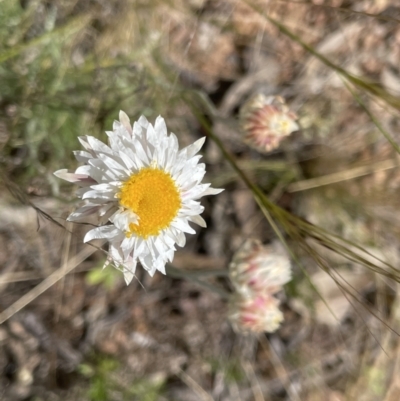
<point>67,67</point>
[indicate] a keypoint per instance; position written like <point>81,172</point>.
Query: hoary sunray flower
<point>145,187</point>
<point>257,268</point>
<point>255,314</point>
<point>265,121</point>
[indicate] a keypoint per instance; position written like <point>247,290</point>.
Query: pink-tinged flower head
<point>256,268</point>
<point>144,191</point>
<point>255,314</point>
<point>265,121</point>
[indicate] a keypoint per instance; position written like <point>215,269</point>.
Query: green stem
<point>179,273</point>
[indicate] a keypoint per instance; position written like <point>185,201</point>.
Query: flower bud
<point>256,314</point>
<point>259,269</point>
<point>265,121</point>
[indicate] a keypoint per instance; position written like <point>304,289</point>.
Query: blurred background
<point>68,67</point>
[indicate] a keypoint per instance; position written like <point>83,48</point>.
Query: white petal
<point>198,220</point>
<point>106,211</point>
<point>114,163</point>
<point>82,156</point>
<point>146,262</point>
<point>115,252</point>
<point>141,153</point>
<point>194,147</point>
<point>129,163</point>
<point>129,270</point>
<point>109,196</point>
<point>152,136</point>
<point>85,144</point>
<point>111,186</point>
<point>127,246</point>
<point>160,265</point>
<point>212,191</point>
<point>181,239</point>
<point>125,121</point>
<point>143,122</point>
<point>195,178</point>
<point>140,246</point>
<point>191,210</point>
<point>182,225</point>
<point>107,232</point>
<point>186,175</point>
<point>159,245</point>
<point>97,145</point>
<point>122,219</point>
<point>195,192</point>
<point>200,191</point>
<point>74,177</point>
<point>104,173</point>
<point>82,212</point>
<point>160,127</point>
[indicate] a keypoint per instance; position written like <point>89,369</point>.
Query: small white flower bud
<point>265,121</point>
<point>259,269</point>
<point>256,314</point>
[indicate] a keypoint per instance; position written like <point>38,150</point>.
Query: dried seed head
<point>265,121</point>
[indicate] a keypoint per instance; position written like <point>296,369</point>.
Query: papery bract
<point>266,121</point>
<point>257,268</point>
<point>255,314</point>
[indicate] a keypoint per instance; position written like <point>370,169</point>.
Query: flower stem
<point>193,277</point>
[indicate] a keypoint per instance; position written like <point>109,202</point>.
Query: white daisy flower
<point>145,187</point>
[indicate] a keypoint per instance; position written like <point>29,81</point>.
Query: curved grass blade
<point>378,125</point>
<point>360,82</point>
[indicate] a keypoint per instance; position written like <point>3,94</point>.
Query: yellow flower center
<point>283,126</point>
<point>153,196</point>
